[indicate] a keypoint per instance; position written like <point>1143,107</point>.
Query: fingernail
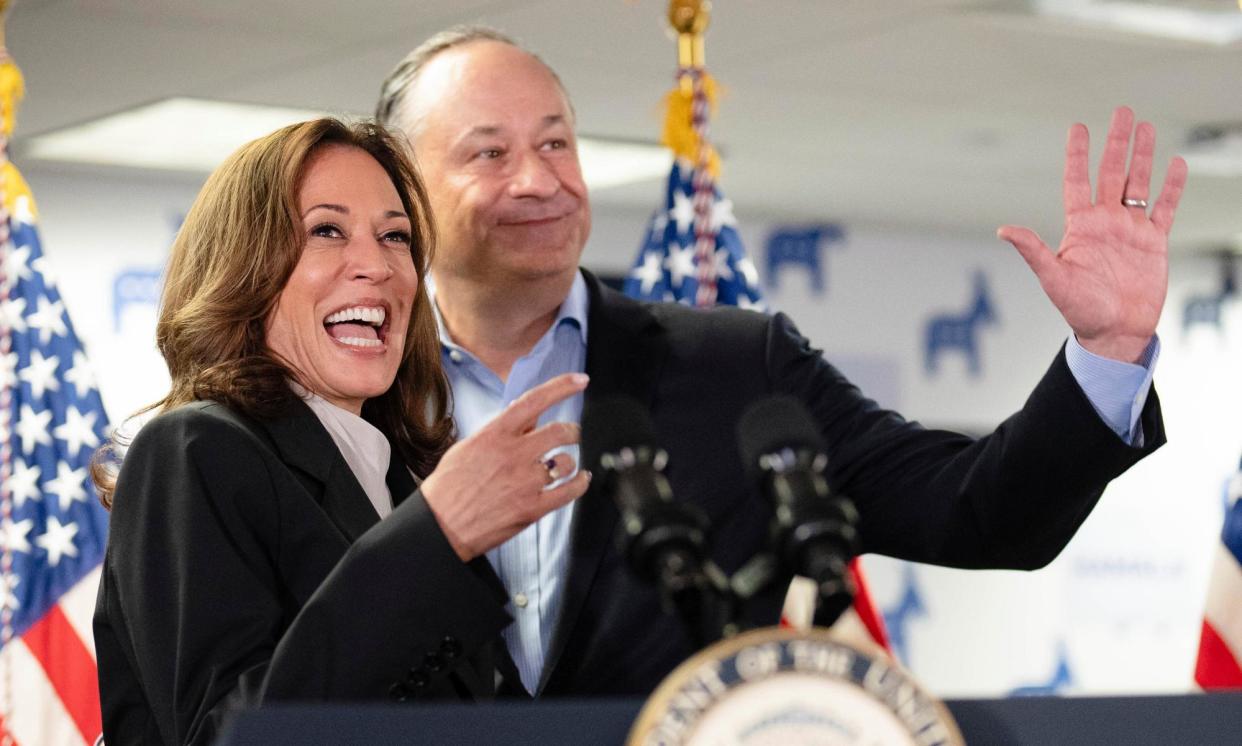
<point>589,474</point>
<point>581,379</point>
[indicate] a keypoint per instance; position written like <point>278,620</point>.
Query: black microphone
<point>664,541</point>
<point>814,531</point>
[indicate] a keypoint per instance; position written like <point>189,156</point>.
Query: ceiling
<point>942,115</point>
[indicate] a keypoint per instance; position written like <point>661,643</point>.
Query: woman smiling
<point>247,560</point>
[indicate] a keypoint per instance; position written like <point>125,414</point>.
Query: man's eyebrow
<point>485,130</point>
<point>489,130</point>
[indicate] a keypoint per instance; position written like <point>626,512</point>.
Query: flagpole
<point>689,18</point>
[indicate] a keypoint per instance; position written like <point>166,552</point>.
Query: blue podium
<point>1198,719</point>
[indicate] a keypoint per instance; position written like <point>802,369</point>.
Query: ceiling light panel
<point>1216,22</point>
<point>196,135</point>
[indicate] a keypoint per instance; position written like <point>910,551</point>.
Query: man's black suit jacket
<point>228,566</point>
<point>1012,499</point>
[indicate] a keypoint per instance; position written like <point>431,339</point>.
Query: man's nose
<point>533,176</point>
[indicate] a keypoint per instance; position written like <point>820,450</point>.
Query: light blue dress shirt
<point>533,564</point>
<point>1117,390</point>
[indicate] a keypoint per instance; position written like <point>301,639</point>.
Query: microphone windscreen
<point>613,423</point>
<point>773,423</point>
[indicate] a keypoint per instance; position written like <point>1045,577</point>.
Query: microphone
<point>814,531</point>
<point>663,541</point>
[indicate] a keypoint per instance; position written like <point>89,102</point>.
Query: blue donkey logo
<point>949,331</point>
<point>1061,678</point>
<point>801,247</point>
<point>897,618</point>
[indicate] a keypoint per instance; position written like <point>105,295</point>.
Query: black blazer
<point>245,564</point>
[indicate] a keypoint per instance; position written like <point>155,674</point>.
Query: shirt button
<point>521,600</point>
<point>455,356</point>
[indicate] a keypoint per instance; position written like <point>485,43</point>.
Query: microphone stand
<point>665,542</point>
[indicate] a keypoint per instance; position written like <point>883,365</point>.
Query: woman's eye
<point>401,237</point>
<point>491,153</point>
<point>326,230</point>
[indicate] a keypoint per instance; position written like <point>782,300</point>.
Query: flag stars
<point>682,211</point>
<point>13,314</point>
<point>680,264</point>
<point>32,428</point>
<point>40,373</point>
<point>58,541</point>
<point>13,535</point>
<point>80,375</point>
<point>77,431</point>
<point>16,266</point>
<point>69,485</point>
<point>8,370</point>
<point>44,268</point>
<point>49,319</point>
<point>722,215</point>
<point>24,482</point>
<point>8,586</point>
<point>649,273</point>
<point>749,273</point>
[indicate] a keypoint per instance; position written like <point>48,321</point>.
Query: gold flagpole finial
<point>12,87</point>
<point>4,11</point>
<point>689,18</point>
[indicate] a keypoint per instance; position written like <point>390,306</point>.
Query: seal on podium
<point>787,688</point>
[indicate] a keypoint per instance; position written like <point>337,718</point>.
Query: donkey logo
<point>949,331</point>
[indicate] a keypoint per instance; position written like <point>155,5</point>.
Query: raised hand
<point>493,484</point>
<point>1110,276</point>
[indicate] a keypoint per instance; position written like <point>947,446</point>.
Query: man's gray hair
<point>390,110</point>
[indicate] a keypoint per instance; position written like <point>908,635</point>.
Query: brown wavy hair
<point>229,263</point>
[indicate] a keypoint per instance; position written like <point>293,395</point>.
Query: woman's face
<point>342,318</point>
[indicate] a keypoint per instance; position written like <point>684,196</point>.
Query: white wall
<point>1122,603</point>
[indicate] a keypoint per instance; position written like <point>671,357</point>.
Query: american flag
<point>667,268</point>
<point>52,527</point>
<point>692,254</point>
<point>1220,642</point>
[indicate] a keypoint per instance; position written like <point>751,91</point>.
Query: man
<point>493,132</point>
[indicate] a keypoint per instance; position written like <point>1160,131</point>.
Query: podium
<point>1184,719</point>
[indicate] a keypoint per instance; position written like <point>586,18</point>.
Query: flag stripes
<point>70,669</point>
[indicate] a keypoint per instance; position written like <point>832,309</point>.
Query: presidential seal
<point>782,687</point>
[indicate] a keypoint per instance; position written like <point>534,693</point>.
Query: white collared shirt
<point>366,450</point>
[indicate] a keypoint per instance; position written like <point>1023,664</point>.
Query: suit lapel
<point>401,483</point>
<point>305,445</point>
<point>625,349</point>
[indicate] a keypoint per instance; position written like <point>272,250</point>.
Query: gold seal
<point>781,686</point>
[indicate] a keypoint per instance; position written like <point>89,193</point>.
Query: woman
<point>247,560</point>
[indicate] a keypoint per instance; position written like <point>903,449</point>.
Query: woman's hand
<point>493,484</point>
<point>1110,276</point>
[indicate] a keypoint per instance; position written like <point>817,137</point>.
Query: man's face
<point>497,149</point>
